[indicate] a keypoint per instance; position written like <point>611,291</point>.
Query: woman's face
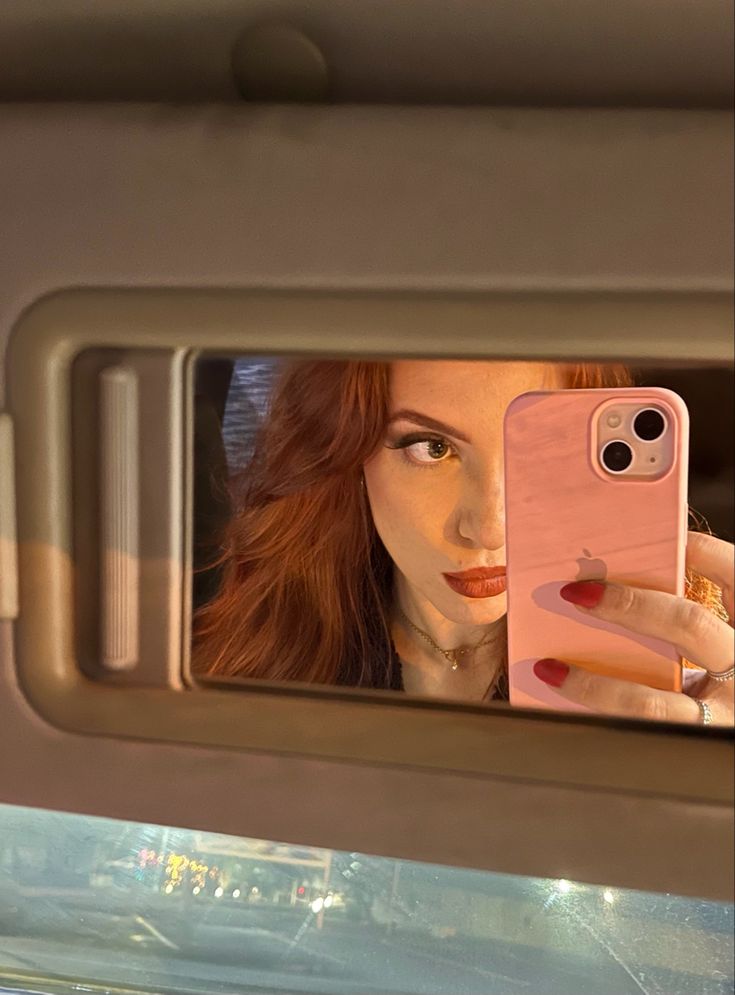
<point>435,486</point>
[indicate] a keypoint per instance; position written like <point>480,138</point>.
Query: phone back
<point>568,519</point>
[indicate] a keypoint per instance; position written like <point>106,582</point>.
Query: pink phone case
<point>566,520</point>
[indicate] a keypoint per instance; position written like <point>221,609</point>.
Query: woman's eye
<point>433,449</point>
<point>428,450</point>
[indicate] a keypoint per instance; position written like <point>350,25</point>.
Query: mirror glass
<point>391,526</point>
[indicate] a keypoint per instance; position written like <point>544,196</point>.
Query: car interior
<point>193,194</point>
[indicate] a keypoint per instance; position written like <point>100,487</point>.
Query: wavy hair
<point>305,580</point>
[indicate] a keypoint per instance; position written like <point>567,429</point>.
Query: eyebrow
<point>418,419</point>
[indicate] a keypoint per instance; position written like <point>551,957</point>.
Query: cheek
<point>408,513</point>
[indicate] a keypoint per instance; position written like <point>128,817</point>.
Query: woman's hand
<point>696,632</point>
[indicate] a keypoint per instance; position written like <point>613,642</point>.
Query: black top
<point>395,673</point>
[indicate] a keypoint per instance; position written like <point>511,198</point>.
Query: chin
<point>482,611</point>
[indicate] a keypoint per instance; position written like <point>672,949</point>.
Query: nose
<point>481,512</point>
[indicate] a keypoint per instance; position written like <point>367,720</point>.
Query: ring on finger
<point>705,712</point>
<point>726,675</point>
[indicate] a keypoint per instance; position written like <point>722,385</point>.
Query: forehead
<point>465,383</point>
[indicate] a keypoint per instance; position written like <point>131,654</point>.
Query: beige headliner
<point>575,52</point>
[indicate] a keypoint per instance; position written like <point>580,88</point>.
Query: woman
<point>372,487</point>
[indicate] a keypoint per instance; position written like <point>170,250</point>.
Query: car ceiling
<point>542,52</point>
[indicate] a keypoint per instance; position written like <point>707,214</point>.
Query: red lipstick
<point>480,582</point>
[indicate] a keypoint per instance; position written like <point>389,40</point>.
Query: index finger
<point>714,559</point>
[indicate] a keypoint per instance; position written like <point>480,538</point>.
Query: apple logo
<point>590,569</point>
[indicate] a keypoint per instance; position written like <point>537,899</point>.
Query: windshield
<point>149,908</point>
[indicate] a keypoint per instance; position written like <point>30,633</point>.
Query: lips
<point>480,582</point>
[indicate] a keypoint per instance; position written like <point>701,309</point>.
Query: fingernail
<point>585,593</point>
<point>552,672</point>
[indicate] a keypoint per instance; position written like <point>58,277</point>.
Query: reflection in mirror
<point>99,905</point>
<point>418,526</point>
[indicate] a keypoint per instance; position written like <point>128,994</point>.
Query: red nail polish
<point>585,593</point>
<point>552,672</point>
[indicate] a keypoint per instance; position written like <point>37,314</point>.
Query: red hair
<point>306,581</point>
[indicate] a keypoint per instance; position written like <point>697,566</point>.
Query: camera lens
<point>649,424</point>
<point>617,456</point>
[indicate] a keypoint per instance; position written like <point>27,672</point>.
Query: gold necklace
<point>451,656</point>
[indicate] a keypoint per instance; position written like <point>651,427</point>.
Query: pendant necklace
<point>451,656</point>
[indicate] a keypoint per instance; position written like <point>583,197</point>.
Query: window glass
<point>87,901</point>
<point>246,407</point>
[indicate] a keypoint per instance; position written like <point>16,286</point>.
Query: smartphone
<point>595,489</point>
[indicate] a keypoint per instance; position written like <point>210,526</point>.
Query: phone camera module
<point>649,425</point>
<point>617,456</point>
